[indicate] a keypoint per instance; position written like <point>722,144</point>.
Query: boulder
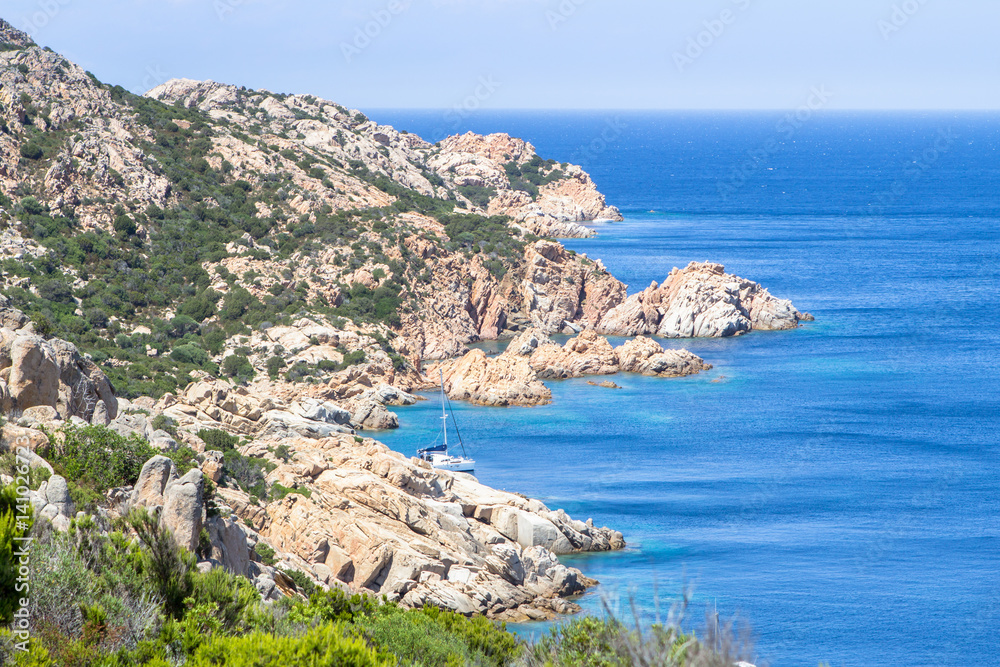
<point>34,374</point>
<point>322,411</point>
<point>182,508</point>
<point>156,474</point>
<point>370,414</point>
<point>229,544</point>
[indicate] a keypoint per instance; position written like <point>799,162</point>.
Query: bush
<point>274,366</point>
<point>266,553</point>
<point>32,206</point>
<point>325,646</point>
<point>218,440</point>
<point>238,366</point>
<point>11,530</point>
<point>189,354</point>
<point>435,638</point>
<point>95,458</point>
<point>32,151</point>
<point>125,226</point>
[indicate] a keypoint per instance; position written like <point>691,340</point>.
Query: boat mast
<point>444,412</point>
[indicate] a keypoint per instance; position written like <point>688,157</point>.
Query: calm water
<point>836,486</point>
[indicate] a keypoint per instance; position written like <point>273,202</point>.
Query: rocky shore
<point>361,517</point>
<point>515,377</point>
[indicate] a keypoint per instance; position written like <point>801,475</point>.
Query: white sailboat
<point>438,456</point>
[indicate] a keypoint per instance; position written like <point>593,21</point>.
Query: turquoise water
<point>837,486</point>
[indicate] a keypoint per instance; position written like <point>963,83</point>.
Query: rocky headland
<point>213,264</point>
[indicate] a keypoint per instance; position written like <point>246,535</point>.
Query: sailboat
<point>438,456</point>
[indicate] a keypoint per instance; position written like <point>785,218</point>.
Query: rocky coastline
<point>316,269</point>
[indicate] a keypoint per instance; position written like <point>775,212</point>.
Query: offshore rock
<point>701,301</point>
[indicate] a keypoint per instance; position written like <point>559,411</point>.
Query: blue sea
<point>836,487</point>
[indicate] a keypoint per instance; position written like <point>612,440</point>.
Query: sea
<point>836,488</point>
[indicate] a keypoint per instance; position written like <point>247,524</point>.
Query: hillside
<point>166,234</point>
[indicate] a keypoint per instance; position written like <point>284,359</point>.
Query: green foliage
<point>218,440</point>
<point>302,581</point>
<point>431,637</point>
<point>324,646</point>
<point>16,519</point>
<point>167,568</point>
<point>278,491</point>
<point>274,366</point>
<point>529,176</point>
<point>94,459</point>
<point>166,424</point>
<point>32,151</point>
<point>189,354</point>
<point>238,366</point>
<point>266,553</point>
<point>361,303</point>
<point>247,472</point>
<point>479,234</point>
<point>478,194</point>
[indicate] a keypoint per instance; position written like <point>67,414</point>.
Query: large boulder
<point>157,473</point>
<point>183,501</point>
<point>35,372</point>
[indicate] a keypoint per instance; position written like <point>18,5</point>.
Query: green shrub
<point>95,458</point>
<point>279,491</point>
<point>325,646</point>
<point>12,529</point>
<point>302,581</point>
<point>238,366</point>
<point>266,553</point>
<point>166,424</point>
<point>32,151</point>
<point>434,638</point>
<point>218,440</point>
<point>189,354</point>
<point>274,366</point>
<point>32,206</point>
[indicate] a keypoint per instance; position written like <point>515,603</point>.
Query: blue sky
<point>666,54</point>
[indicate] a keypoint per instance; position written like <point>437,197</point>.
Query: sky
<point>545,54</point>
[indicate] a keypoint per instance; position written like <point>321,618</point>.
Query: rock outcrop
<point>377,521</point>
<point>514,377</point>
<point>701,301</point>
<point>558,207</point>
<point>179,501</point>
<point>39,372</point>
